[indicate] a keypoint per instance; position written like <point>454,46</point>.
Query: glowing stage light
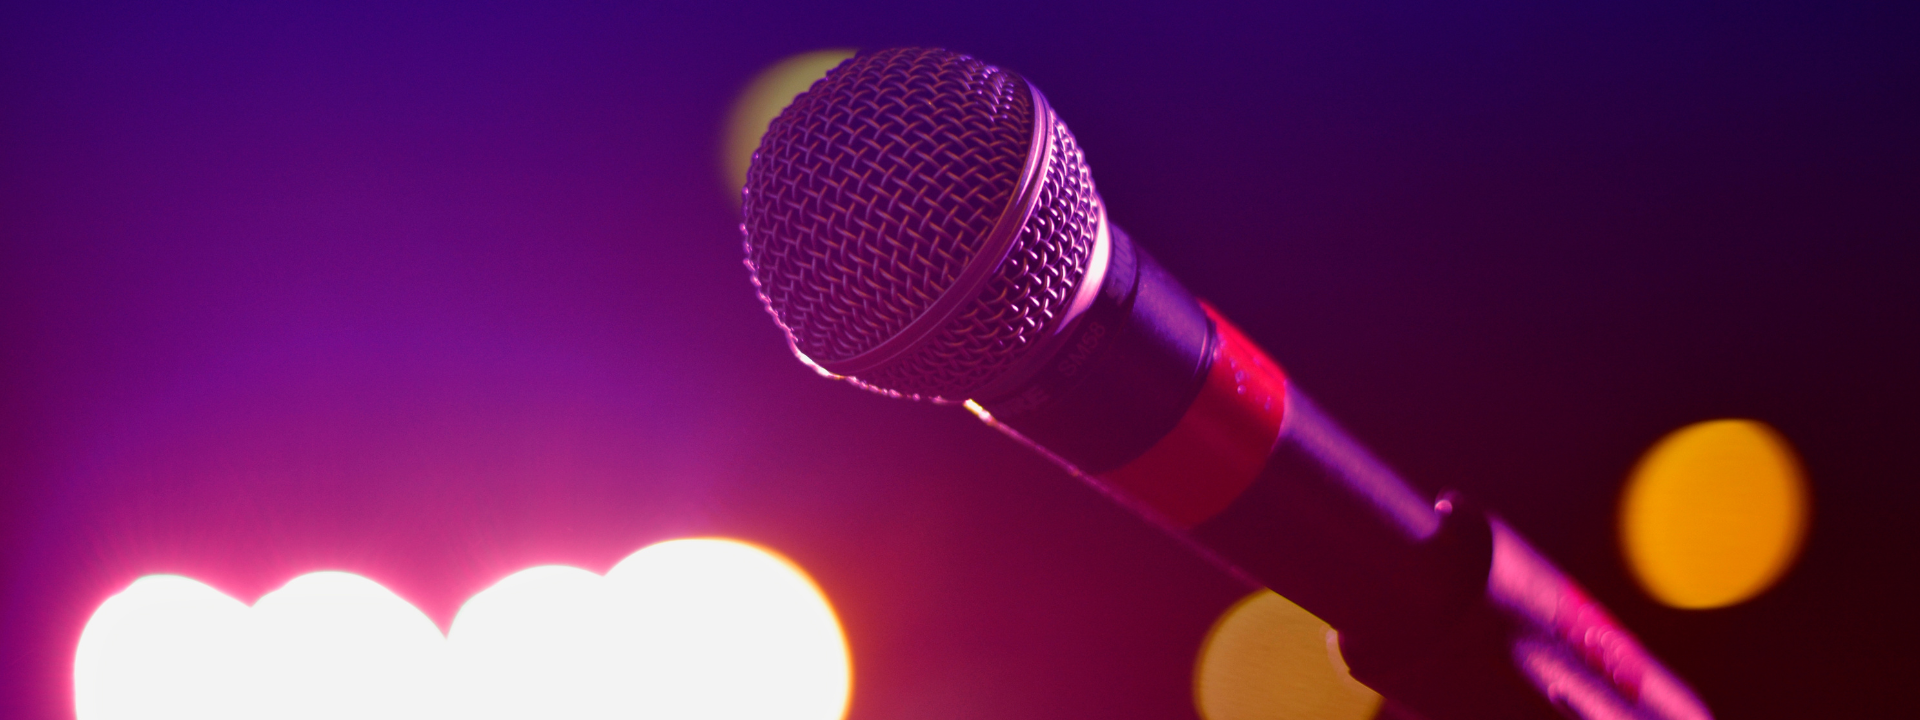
<point>683,630</point>
<point>732,632</point>
<point>689,629</point>
<point>166,647</point>
<point>336,645</point>
<point>537,644</point>
<point>763,99</point>
<point>1714,514</point>
<point>1267,659</point>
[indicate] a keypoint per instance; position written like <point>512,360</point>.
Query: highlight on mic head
<point>917,221</point>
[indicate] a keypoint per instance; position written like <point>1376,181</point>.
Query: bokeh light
<point>689,630</point>
<point>762,101</point>
<point>733,632</point>
<point>166,647</point>
<point>537,644</point>
<point>337,645</point>
<point>1268,659</point>
<point>1714,514</point>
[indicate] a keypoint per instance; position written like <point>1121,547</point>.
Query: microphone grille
<point>873,193</point>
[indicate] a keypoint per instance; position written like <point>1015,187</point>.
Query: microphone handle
<point>1161,403</point>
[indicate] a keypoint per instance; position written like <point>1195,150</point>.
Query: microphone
<point>922,224</point>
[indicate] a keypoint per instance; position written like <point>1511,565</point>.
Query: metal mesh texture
<point>874,190</point>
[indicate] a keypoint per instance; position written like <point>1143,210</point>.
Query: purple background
<point>435,293</point>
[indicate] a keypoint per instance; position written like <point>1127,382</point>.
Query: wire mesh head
<point>917,220</point>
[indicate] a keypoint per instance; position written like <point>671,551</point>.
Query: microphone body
<point>923,225</point>
<point>1157,400</point>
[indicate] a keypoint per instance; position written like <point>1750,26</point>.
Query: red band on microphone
<point>1220,443</point>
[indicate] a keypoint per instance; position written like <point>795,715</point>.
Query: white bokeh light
<point>333,645</point>
<point>684,630</point>
<point>166,647</point>
<point>732,632</point>
<point>538,644</point>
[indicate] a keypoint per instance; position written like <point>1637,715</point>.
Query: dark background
<point>435,293</point>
